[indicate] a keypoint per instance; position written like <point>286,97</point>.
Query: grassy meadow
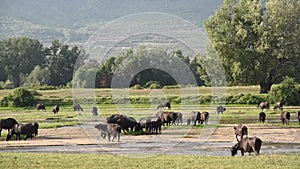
<point>235,113</point>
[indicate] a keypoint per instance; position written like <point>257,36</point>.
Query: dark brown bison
<point>194,117</point>
<point>153,124</point>
<point>179,118</point>
<point>35,128</point>
<point>55,109</point>
<point>95,111</point>
<point>240,130</point>
<point>278,105</point>
<point>7,124</point>
<point>285,117</point>
<point>109,130</point>
<point>221,109</point>
<point>204,117</point>
<point>163,105</point>
<point>28,129</point>
<point>168,118</point>
<point>77,107</point>
<point>40,107</point>
<point>127,123</point>
<point>262,117</point>
<point>264,105</point>
<point>114,118</point>
<point>247,144</point>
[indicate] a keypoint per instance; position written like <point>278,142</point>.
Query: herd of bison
<point>117,123</point>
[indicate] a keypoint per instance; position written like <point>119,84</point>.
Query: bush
<point>288,92</point>
<point>137,86</point>
<point>152,85</point>
<point>19,98</point>
<point>251,99</point>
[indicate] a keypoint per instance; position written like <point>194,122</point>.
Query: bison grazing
<point>204,117</point>
<point>28,129</point>
<point>195,116</point>
<point>262,117</point>
<point>77,107</point>
<point>165,104</point>
<point>220,109</point>
<point>167,117</point>
<point>278,105</point>
<point>55,109</point>
<point>109,129</point>
<point>7,124</point>
<point>247,144</point>
<point>285,117</point>
<point>179,118</point>
<point>40,107</point>
<point>264,105</point>
<point>240,130</point>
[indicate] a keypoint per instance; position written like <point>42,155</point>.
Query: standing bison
<point>7,124</point>
<point>163,105</point>
<point>278,105</point>
<point>109,130</point>
<point>220,109</point>
<point>247,144</point>
<point>240,130</point>
<point>167,118</point>
<point>40,107</point>
<point>204,117</point>
<point>77,107</point>
<point>285,117</point>
<point>264,105</point>
<point>55,109</point>
<point>195,116</point>
<point>28,129</point>
<point>262,117</point>
<point>179,118</point>
<point>95,111</point>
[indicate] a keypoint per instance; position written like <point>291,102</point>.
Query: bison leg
<point>242,152</point>
<point>1,130</point>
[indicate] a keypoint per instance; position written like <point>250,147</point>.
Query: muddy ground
<point>204,141</point>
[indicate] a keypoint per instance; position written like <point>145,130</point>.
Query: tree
<point>61,61</point>
<point>258,41</point>
<point>38,76</point>
<point>19,56</point>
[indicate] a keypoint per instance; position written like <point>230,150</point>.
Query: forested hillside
<point>73,21</point>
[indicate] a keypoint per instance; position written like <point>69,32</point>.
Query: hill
<point>73,21</point>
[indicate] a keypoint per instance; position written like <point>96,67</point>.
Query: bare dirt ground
<point>186,140</point>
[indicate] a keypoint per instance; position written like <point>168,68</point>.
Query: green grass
<point>58,160</point>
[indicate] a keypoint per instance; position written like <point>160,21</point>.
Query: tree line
<point>256,40</point>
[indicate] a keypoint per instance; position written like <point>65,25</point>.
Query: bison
<point>165,104</point>
<point>40,107</point>
<point>109,130</point>
<point>247,144</point>
<point>55,109</point>
<point>77,107</point>
<point>204,117</point>
<point>7,124</point>
<point>264,105</point>
<point>240,130</point>
<point>179,118</point>
<point>262,117</point>
<point>285,117</point>
<point>127,123</point>
<point>95,111</point>
<point>167,117</point>
<point>195,116</point>
<point>28,129</point>
<point>220,109</point>
<point>278,105</point>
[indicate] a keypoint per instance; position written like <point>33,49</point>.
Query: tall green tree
<point>61,61</point>
<point>257,40</point>
<point>20,56</point>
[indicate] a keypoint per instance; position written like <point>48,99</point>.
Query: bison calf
<point>247,144</point>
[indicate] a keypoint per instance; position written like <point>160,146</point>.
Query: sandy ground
<point>90,136</point>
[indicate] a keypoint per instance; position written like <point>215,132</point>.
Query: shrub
<point>19,98</point>
<point>288,92</point>
<point>137,86</point>
<point>251,99</point>
<point>152,85</point>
